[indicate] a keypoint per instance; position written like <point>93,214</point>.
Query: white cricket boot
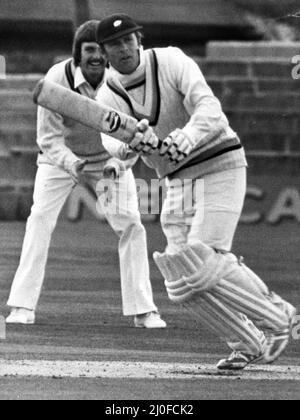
<point>239,361</point>
<point>21,316</point>
<point>151,320</point>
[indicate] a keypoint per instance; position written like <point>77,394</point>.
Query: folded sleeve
<point>201,104</point>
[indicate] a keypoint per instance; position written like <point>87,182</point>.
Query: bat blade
<point>86,111</point>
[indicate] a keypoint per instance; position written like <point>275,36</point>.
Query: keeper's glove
<point>114,169</point>
<point>144,141</point>
<point>177,146</point>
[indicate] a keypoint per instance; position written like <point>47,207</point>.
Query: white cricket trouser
<point>242,309</point>
<point>211,217</point>
<point>52,188</point>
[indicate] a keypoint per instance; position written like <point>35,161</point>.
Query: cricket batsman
<point>72,153</point>
<point>167,93</point>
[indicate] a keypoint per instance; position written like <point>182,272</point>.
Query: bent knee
<point>167,219</point>
<point>127,224</point>
<point>134,224</point>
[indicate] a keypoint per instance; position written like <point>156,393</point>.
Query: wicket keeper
<point>72,153</point>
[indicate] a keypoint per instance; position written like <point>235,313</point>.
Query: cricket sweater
<point>63,141</point>
<point>169,89</point>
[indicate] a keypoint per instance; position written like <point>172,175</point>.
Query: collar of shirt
<point>83,85</point>
<point>127,78</point>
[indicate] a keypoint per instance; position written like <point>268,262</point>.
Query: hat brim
<point>120,34</point>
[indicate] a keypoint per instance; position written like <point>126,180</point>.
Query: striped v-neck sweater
<point>169,89</point>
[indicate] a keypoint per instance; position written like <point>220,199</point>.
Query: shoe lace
<point>234,355</point>
<point>239,354</point>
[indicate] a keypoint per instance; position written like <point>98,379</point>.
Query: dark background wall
<point>35,31</point>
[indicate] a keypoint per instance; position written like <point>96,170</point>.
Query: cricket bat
<point>88,112</point>
<point>98,116</point>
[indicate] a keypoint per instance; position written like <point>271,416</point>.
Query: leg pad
<point>196,268</point>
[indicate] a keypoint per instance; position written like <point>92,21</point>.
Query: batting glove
<point>144,141</point>
<point>177,146</point>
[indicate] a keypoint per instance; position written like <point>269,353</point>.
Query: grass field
<point>79,320</point>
